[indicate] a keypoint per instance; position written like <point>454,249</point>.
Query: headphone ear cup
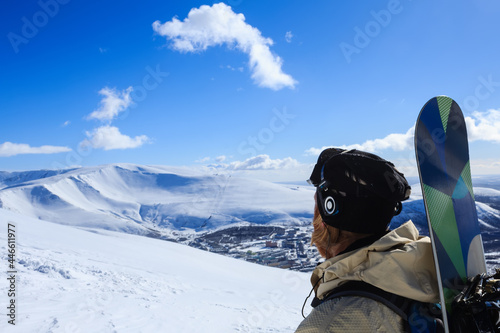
<point>329,206</point>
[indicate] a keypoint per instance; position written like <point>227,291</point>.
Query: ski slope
<point>72,279</point>
<point>149,200</point>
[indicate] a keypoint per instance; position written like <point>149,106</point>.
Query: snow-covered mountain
<point>170,203</point>
<point>151,200</point>
<point>160,201</point>
<point>146,199</point>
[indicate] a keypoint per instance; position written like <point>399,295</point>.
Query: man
<point>357,194</point>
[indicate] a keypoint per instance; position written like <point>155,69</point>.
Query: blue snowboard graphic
<point>442,152</point>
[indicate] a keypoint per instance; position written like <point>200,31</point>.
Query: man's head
<point>358,191</point>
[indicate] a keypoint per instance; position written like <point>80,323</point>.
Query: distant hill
<point>151,200</point>
<point>160,201</point>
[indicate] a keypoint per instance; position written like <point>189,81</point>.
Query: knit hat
<point>358,191</point>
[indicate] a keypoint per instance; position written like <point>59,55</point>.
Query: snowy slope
<point>82,280</point>
<point>148,200</point>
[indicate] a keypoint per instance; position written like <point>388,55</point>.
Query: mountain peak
<point>139,199</point>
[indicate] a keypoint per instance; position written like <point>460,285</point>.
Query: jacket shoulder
<point>351,314</point>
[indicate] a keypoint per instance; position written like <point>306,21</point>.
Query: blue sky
<point>254,86</point>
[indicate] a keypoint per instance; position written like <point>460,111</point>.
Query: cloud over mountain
<point>109,137</point>
<point>12,149</point>
<point>263,162</point>
<point>209,26</point>
<point>484,126</point>
<point>112,103</point>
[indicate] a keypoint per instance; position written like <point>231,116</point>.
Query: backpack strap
<point>396,303</point>
<point>404,307</point>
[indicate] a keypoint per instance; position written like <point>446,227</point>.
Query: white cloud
<point>485,167</point>
<point>220,159</point>
<point>313,151</point>
<point>263,162</point>
<point>240,69</point>
<point>395,141</point>
<point>109,137</point>
<point>485,126</point>
<point>203,160</point>
<point>66,123</point>
<point>288,36</point>
<point>217,25</point>
<point>263,167</point>
<point>12,149</point>
<point>112,103</point>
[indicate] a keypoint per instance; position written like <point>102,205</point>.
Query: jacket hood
<point>400,262</point>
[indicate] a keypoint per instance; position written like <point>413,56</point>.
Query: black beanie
<point>358,191</point>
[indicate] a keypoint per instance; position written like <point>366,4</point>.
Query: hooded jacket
<point>400,262</point>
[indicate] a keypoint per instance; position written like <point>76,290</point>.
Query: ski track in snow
<point>73,280</point>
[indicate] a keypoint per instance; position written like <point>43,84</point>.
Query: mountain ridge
<point>157,201</point>
<point>139,198</point>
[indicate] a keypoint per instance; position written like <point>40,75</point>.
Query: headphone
<point>329,205</point>
<point>326,199</point>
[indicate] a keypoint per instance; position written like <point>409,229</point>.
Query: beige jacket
<point>400,262</point>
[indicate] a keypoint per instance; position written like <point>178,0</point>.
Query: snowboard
<point>442,153</point>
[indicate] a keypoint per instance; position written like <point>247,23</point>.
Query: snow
<point>137,199</point>
<point>483,191</point>
<point>89,280</point>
